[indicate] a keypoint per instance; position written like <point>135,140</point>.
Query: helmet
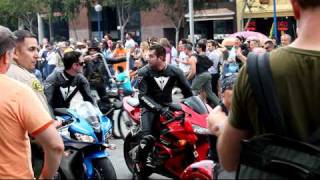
<point>200,170</point>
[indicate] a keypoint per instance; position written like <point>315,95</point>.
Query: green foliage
<point>71,8</point>
<point>19,8</point>
<point>24,11</point>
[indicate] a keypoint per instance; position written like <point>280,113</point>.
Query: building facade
<point>261,13</point>
<point>216,19</point>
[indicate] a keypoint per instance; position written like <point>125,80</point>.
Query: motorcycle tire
<point>124,124</point>
<point>103,169</point>
<point>129,143</point>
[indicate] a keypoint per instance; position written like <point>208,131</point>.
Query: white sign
<point>220,36</point>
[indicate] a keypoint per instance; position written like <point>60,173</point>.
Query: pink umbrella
<point>249,35</point>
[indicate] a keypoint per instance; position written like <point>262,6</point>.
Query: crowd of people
<point>227,56</point>
<point>36,80</point>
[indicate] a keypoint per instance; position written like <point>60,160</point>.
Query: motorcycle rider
<point>155,83</point>
<point>61,86</point>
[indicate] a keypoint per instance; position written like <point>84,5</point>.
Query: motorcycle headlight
<point>200,130</point>
<point>84,138</point>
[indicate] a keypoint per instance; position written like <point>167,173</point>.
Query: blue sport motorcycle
<point>85,132</point>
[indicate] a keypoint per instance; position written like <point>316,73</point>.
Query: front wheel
<point>103,169</point>
<point>130,143</point>
<point>124,123</point>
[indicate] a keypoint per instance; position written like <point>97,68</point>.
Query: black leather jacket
<point>96,73</point>
<point>155,87</point>
<point>60,88</point>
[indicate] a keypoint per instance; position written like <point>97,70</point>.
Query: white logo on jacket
<point>67,91</point>
<point>161,81</point>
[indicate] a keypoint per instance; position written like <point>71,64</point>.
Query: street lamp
<point>98,9</point>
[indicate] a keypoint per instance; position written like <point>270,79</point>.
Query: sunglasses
<point>81,63</point>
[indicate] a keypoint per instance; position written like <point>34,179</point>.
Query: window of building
<point>223,27</point>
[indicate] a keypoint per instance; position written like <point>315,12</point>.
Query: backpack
<point>274,156</point>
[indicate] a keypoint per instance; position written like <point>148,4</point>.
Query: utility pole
<point>275,20</point>
<point>40,28</point>
<point>191,21</point>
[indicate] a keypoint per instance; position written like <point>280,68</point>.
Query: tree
<point>71,9</point>
<point>63,9</point>
<point>250,4</point>
<point>126,7</point>
<point>25,12</point>
<point>175,10</point>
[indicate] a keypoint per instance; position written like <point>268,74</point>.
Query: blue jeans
<point>50,68</point>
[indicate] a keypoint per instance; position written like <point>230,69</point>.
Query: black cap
<point>94,46</point>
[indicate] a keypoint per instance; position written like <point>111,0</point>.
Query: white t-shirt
<point>174,55</point>
<point>52,58</point>
<point>184,58</point>
<point>216,57</point>
<point>129,44</point>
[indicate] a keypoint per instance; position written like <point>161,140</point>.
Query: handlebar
<point>105,64</point>
<point>180,117</point>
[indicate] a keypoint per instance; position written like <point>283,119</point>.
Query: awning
<point>212,14</point>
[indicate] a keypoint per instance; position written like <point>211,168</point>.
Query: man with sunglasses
<point>62,86</point>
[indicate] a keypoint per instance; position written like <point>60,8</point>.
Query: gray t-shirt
<point>216,58</point>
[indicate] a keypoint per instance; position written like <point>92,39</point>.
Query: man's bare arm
<point>229,146</point>
<point>53,147</point>
<point>192,61</point>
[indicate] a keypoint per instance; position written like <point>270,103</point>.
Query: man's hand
<point>216,120</point>
<point>56,124</point>
<point>87,58</point>
<point>167,113</point>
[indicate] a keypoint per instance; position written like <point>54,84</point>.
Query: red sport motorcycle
<point>180,141</point>
<point>129,115</point>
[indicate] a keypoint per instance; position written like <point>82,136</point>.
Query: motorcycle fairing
<point>88,161</point>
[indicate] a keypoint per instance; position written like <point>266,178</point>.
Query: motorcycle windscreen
<point>90,113</point>
<point>196,104</point>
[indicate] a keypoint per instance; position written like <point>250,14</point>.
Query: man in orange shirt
<point>21,112</point>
